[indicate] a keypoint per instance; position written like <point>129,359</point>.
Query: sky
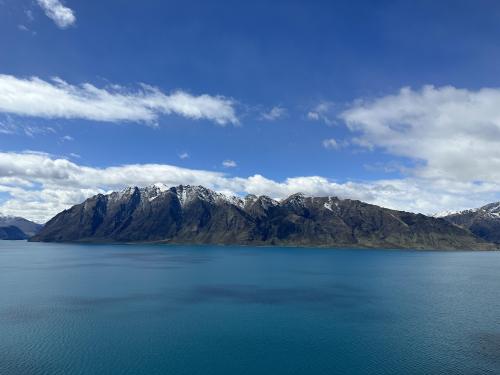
<point>395,103</point>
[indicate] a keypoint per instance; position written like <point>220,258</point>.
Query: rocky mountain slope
<point>484,222</point>
<point>194,214</point>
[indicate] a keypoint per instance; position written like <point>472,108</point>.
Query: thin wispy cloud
<point>10,127</point>
<point>229,164</point>
<point>6,128</point>
<point>183,156</point>
<point>29,19</point>
<point>322,112</point>
<point>29,15</point>
<point>24,28</point>
<point>62,16</point>
<point>274,114</point>
<point>58,99</point>
<point>330,144</point>
<point>33,131</point>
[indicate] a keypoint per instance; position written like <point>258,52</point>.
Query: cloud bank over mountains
<point>39,185</point>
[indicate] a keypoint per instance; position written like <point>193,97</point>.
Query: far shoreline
<point>263,246</point>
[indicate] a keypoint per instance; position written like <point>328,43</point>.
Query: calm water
<point>92,309</point>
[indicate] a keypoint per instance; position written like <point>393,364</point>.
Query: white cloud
<point>67,138</point>
<point>330,144</point>
<point>229,163</point>
<point>322,112</point>
<point>40,185</point>
<point>57,12</point>
<point>450,133</point>
<point>184,155</point>
<point>274,114</point>
<point>59,99</point>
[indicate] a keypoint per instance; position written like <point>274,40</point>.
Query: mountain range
<point>197,215</point>
<point>17,228</point>
<point>484,222</point>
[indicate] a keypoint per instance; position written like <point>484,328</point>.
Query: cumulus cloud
<point>450,133</point>
<point>59,99</point>
<point>274,114</point>
<point>63,16</point>
<point>40,185</point>
<point>229,163</point>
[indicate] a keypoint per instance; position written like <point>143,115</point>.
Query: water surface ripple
<point>153,309</point>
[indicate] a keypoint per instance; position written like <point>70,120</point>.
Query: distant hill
<point>484,222</point>
<point>30,228</point>
<point>194,214</point>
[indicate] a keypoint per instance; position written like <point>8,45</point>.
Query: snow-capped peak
<point>296,200</point>
<point>492,207</point>
<point>161,186</point>
<point>444,213</point>
<point>456,212</point>
<point>263,200</point>
<point>187,193</point>
<point>491,210</point>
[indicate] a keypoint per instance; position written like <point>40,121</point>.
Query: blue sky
<point>297,89</point>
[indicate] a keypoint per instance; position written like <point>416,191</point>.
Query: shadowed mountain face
<point>194,214</point>
<point>484,222</point>
<point>12,233</point>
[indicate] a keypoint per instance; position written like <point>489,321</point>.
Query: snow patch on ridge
<point>449,213</point>
<point>330,204</point>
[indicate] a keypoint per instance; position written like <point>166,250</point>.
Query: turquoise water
<point>123,309</point>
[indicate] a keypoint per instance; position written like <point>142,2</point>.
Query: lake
<point>154,309</point>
